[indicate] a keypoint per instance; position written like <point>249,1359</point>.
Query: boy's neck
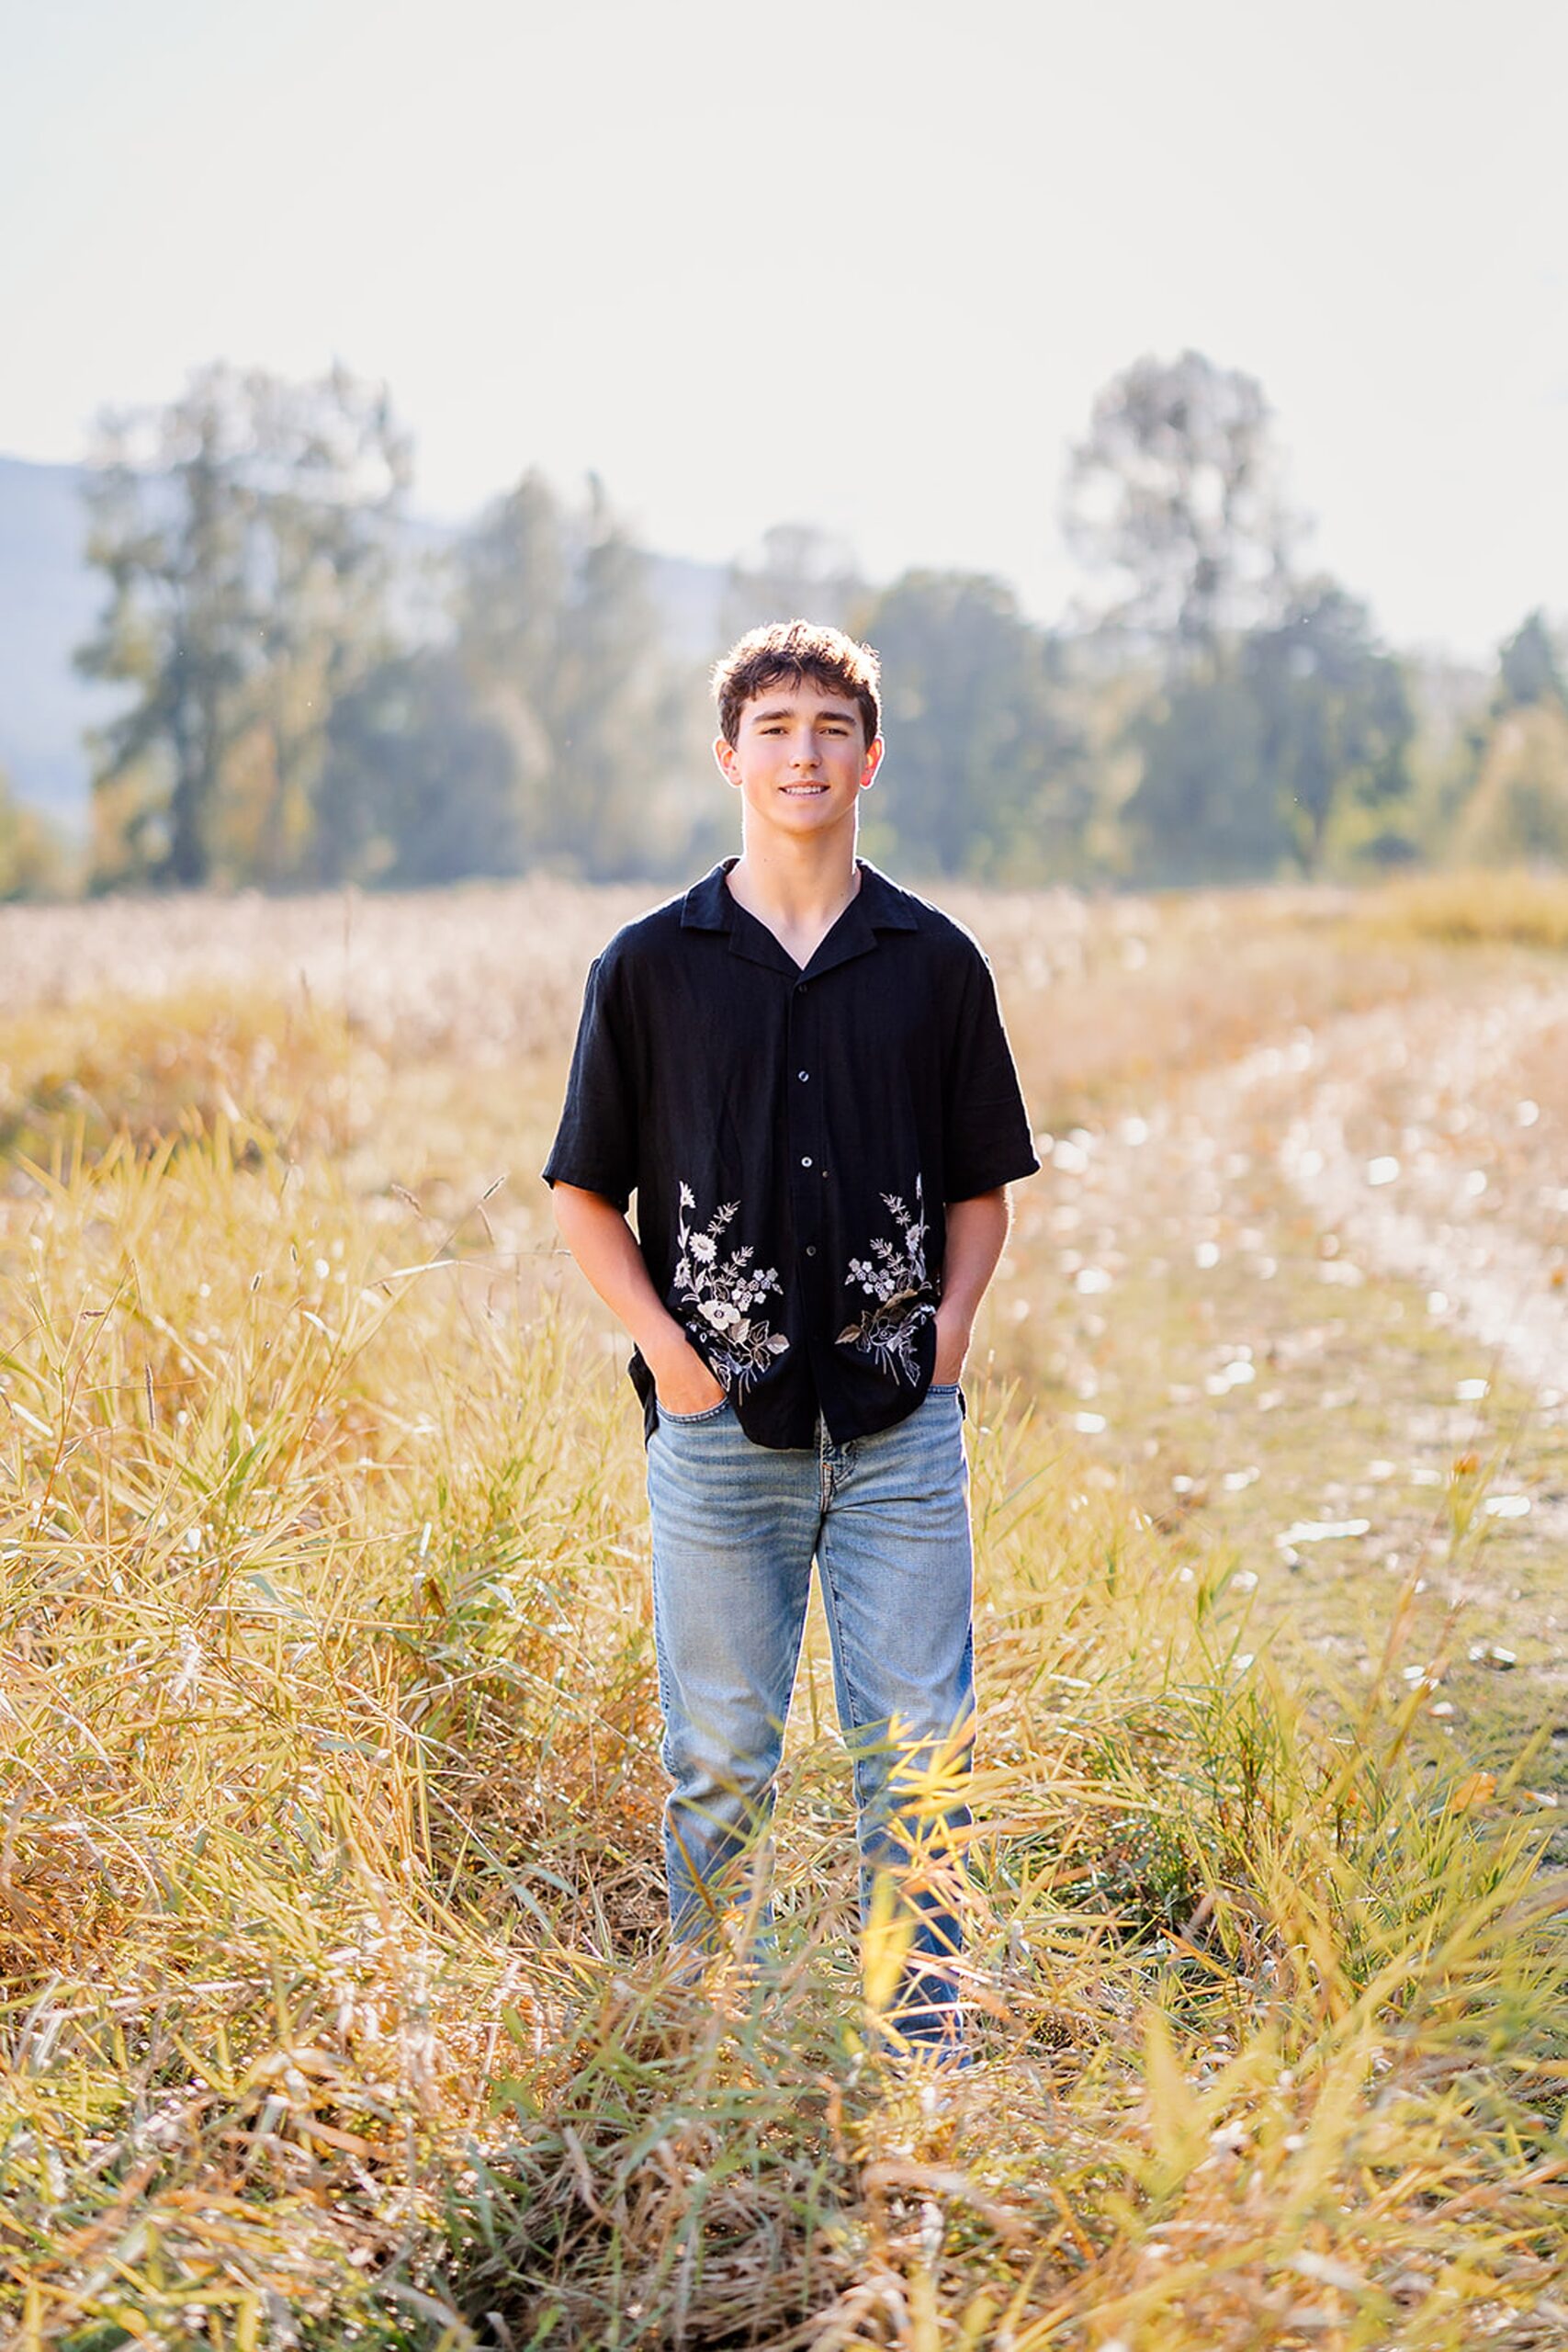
<point>797,888</point>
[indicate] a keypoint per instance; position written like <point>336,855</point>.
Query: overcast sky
<point>861,264</point>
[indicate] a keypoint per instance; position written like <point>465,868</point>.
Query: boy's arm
<point>976,1235</point>
<point>606,1249</point>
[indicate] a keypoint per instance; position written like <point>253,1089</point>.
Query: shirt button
<point>802,1075</point>
<point>806,1160</point>
<point>811,1249</point>
<point>800,987</point>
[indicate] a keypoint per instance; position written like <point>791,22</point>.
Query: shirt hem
<point>1011,1172</point>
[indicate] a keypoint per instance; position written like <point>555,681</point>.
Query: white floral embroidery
<point>717,1296</point>
<point>902,1297</point>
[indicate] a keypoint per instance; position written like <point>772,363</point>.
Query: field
<point>336,2008</point>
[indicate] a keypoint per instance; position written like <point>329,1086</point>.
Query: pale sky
<point>863,265</point>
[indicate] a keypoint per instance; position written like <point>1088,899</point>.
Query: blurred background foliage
<point>33,858</point>
<point>315,687</point>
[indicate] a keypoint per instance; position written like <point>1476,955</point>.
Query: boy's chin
<point>804,816</point>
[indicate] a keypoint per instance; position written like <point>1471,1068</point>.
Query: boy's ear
<point>723,753</point>
<point>874,752</point>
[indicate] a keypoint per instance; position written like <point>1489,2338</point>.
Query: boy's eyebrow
<point>787,710</point>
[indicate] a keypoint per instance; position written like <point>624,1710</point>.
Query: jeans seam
<point>830,1610</point>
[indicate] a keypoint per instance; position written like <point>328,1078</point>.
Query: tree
<point>512,574</point>
<point>336,466</point>
<point>245,534</point>
<point>1529,670</point>
<point>1335,718</point>
<point>612,709</point>
<point>984,774</point>
<point>557,632</point>
<point>1290,734</point>
<point>1513,804</point>
<point>1517,814</point>
<point>1173,494</point>
<point>1519,807</point>
<point>32,862</point>
<point>169,529</point>
<point>417,785</point>
<point>798,573</point>
<point>1204,808</point>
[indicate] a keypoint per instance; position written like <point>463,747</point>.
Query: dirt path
<point>1413,1131</point>
<point>1312,1305</point>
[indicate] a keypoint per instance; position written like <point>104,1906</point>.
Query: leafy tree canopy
<point>244,534</point>
<point>797,572</point>
<point>1335,721</point>
<point>1517,814</point>
<point>558,633</point>
<point>985,773</point>
<point>33,858</point>
<point>1528,669</point>
<point>1173,498</point>
<point>418,784</point>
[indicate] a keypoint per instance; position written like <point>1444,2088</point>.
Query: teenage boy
<point>801,1072</point>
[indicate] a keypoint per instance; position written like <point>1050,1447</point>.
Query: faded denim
<point>735,1527</point>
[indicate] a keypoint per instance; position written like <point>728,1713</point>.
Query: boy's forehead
<point>796,697</point>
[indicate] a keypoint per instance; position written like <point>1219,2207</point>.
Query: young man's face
<point>799,759</point>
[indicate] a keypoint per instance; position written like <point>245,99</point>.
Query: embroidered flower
<point>893,1278</point>
<point>716,1296</point>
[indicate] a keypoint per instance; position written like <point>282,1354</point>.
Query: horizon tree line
<point>316,694</point>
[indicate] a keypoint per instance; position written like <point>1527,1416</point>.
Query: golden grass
<point>485,968</point>
<point>336,2008</point>
<point>1523,908</point>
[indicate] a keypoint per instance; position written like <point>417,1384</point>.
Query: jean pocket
<point>951,1388</point>
<point>692,1420</point>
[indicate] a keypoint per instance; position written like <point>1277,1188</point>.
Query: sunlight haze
<point>867,272</point>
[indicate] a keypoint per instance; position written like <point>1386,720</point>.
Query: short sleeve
<point>596,1143</point>
<point>986,1138</point>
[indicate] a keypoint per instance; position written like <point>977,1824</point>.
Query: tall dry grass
<point>1521,908</point>
<point>336,2009</point>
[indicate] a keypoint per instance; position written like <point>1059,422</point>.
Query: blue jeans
<point>735,1530</point>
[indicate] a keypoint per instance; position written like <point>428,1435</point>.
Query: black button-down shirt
<point>793,1136</point>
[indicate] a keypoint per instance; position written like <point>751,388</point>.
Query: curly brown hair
<point>795,651</point>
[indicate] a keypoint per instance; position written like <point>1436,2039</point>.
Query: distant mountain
<point>49,599</point>
<point>49,602</point>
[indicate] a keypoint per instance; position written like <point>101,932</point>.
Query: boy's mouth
<point>802,791</point>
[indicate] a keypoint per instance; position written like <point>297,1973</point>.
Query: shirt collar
<point>877,905</point>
